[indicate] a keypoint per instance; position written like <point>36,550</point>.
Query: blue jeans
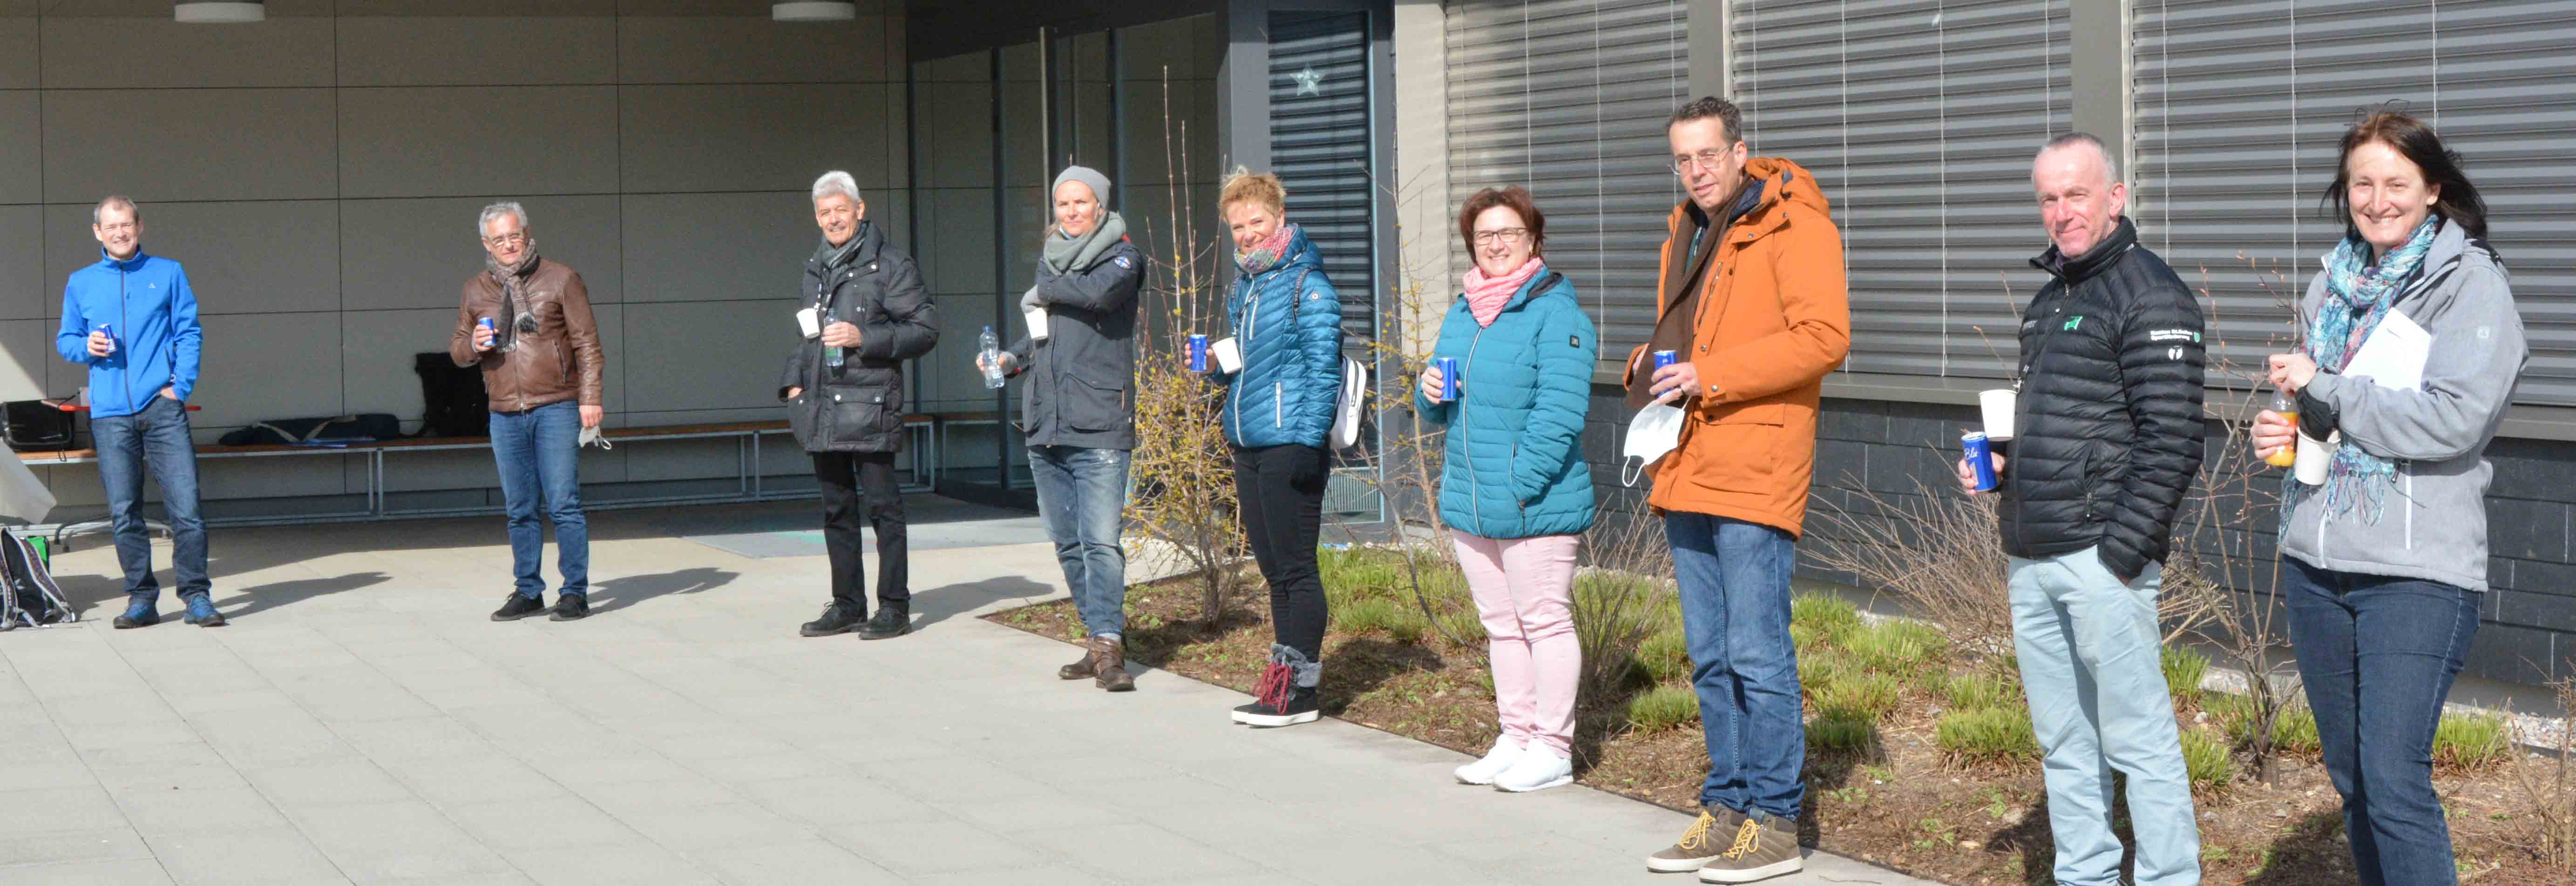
<point>1082,494</point>
<point>1734,579</point>
<point>157,437</point>
<point>538,452</point>
<point>2092,662</point>
<point>2398,642</point>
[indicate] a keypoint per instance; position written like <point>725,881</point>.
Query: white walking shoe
<point>1504,754</point>
<point>1538,769</point>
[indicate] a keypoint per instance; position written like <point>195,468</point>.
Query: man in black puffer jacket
<point>2109,438</point>
<point>850,416</point>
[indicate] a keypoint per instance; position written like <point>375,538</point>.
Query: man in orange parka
<point>1753,305</point>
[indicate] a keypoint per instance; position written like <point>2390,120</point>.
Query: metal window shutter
<point>1568,98</point>
<point>1920,120</point>
<point>1319,147</point>
<point>2239,109</point>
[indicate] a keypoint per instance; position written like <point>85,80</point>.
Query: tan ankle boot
<point>1109,663</point>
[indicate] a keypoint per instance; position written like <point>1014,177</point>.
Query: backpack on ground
<point>28,595</point>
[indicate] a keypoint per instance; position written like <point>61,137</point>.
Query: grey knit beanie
<point>1090,177</point>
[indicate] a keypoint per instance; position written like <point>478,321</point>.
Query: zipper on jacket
<point>1475,493</point>
<point>1279,406</point>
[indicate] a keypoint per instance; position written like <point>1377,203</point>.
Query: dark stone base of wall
<point>1898,452</point>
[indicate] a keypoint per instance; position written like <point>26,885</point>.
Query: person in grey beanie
<point>1079,358</point>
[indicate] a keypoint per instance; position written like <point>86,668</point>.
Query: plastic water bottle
<point>991,358</point>
<point>831,353</point>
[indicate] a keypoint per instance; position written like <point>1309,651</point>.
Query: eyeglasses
<point>514,239</point>
<point>1705,160</point>
<point>1508,236</point>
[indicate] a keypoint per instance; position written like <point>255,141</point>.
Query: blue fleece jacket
<point>1290,336</point>
<point>146,298</point>
<point>1512,465</point>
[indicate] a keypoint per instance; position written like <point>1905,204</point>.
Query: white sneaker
<point>1538,769</point>
<point>1504,754</point>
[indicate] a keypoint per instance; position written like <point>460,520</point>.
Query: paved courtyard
<point>362,721</point>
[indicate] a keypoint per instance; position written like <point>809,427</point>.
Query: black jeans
<point>1281,490</point>
<point>843,476</point>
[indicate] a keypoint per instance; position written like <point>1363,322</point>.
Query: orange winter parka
<point>1773,318</point>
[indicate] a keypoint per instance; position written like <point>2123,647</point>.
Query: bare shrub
<point>1184,475</point>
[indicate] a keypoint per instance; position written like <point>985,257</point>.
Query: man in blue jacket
<point>132,318</point>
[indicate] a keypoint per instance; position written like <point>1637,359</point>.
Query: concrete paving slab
<point>363,721</point>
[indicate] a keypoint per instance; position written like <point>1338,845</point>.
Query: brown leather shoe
<point>1109,660</point>
<point>1081,667</point>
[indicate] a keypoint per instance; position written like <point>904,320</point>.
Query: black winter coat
<point>859,406</point>
<point>2109,418</point>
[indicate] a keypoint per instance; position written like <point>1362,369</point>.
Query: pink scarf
<point>1486,296</point>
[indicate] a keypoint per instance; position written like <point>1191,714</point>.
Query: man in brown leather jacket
<point>526,321</point>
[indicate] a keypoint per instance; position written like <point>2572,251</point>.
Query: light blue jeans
<point>1082,496</point>
<point>2092,660</point>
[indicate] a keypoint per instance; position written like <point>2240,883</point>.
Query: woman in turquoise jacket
<point>1278,410</point>
<point>1513,485</point>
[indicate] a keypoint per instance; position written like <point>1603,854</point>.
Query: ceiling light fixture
<point>814,11</point>
<point>207,12</point>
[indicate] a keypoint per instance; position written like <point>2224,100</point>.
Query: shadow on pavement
<point>260,598</point>
<point>619,593</point>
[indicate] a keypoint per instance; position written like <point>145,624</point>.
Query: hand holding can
<point>1981,459</point>
<point>1448,367</point>
<point>1198,353</point>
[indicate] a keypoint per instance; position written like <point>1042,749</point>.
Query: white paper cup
<point>1228,357</point>
<point>1036,318</point>
<point>1998,406</point>
<point>2314,457</point>
<point>805,320</point>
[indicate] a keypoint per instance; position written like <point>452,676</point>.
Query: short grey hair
<point>837,182</point>
<point>2110,167</point>
<point>483,224</point>
<point>114,201</point>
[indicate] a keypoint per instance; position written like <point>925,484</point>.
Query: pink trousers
<point>1524,591</point>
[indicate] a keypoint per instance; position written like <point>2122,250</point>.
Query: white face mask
<point>590,436</point>
<point>1656,430</point>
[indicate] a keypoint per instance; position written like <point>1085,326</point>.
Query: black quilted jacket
<point>2109,419</point>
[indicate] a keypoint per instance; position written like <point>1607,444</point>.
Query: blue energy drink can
<point>109,330</point>
<point>1981,459</point>
<point>1198,353</point>
<point>1665,358</point>
<point>1448,379</point>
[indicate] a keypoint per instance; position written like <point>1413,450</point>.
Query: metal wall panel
<point>2238,108</point>
<point>1920,119</point>
<point>1319,147</point>
<point>1568,98</point>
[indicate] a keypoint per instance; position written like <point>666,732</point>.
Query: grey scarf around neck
<point>835,256</point>
<point>513,280</point>
<point>1067,254</point>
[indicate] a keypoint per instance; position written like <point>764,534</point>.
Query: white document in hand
<point>2394,354</point>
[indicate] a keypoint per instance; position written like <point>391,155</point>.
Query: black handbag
<point>36,426</point>
<point>456,404</point>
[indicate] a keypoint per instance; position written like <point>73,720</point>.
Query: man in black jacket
<point>2109,438</point>
<point>844,393</point>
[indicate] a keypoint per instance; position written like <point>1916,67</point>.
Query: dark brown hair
<point>1707,106</point>
<point>1520,202</point>
<point>2459,201</point>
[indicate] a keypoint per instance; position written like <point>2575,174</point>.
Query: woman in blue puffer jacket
<point>1513,485</point>
<point>1278,411</point>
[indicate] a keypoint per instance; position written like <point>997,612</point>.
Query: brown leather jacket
<point>560,361</point>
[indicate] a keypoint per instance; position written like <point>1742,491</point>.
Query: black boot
<point>890,622</point>
<point>519,606</point>
<point>1299,707</point>
<point>837,619</point>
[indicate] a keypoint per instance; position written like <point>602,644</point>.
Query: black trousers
<point>845,477</point>
<point>1281,490</point>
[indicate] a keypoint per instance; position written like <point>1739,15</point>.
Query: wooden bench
<point>748,473</point>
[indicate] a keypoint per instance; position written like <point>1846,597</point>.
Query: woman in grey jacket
<point>2384,564</point>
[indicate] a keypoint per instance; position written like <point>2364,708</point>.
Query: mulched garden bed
<point>1902,803</point>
